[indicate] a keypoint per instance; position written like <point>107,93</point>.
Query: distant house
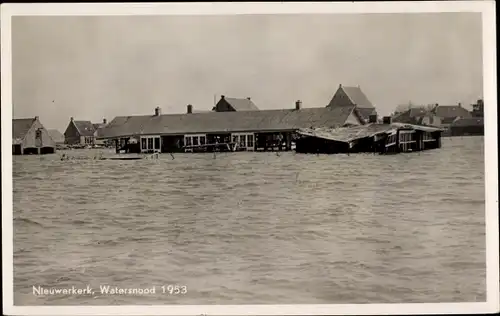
<point>473,126</point>
<point>353,96</point>
<point>248,130</point>
<point>478,109</point>
<point>227,104</point>
<point>417,116</point>
<point>82,132</point>
<point>449,113</point>
<point>56,136</point>
<point>30,137</point>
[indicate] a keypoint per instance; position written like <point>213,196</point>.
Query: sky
<point>95,67</point>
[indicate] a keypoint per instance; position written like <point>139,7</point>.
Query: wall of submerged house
<point>316,145</point>
<point>466,130</point>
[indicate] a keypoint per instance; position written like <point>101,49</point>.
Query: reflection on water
<point>254,228</point>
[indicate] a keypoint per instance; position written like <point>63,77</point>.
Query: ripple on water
<point>255,228</point>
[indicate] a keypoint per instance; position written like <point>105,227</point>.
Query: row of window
<point>195,140</point>
<point>150,143</point>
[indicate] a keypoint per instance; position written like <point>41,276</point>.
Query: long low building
<point>248,130</point>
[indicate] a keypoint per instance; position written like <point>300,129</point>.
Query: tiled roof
<point>221,122</point>
<point>85,128</point>
<point>20,128</point>
<point>56,136</point>
<point>242,104</point>
<point>451,111</point>
<point>475,121</point>
<point>357,97</point>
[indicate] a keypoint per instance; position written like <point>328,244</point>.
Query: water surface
<point>254,228</point>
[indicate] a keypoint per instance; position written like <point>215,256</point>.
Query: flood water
<point>253,228</point>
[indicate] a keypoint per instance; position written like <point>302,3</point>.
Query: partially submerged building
<point>473,126</point>
<point>385,138</point>
<point>251,130</point>
<point>29,136</point>
<point>82,133</point>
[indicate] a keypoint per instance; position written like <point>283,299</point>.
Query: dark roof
<point>214,122</point>
<point>241,104</point>
<point>85,128</point>
<point>20,127</point>
<point>56,136</point>
<point>451,111</point>
<point>357,97</point>
<point>475,121</point>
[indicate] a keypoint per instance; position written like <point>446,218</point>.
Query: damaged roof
<point>349,134</point>
<point>226,122</point>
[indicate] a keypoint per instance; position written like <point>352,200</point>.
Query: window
<point>143,143</point>
<point>38,133</point>
<point>202,140</point>
<point>188,140</point>
<point>235,138</point>
<point>195,141</point>
<point>157,142</point>
<point>250,141</point>
<point>242,141</point>
<point>150,143</point>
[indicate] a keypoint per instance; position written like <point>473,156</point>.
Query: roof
<point>56,136</point>
<point>366,112</point>
<point>226,122</point>
<point>85,128</point>
<point>474,121</point>
<point>349,134</point>
<point>357,97</point>
<point>451,111</point>
<point>20,128</point>
<point>241,104</point>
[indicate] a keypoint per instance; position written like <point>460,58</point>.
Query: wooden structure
<point>386,138</point>
<point>29,136</point>
<point>244,130</point>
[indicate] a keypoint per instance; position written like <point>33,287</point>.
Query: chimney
<point>372,118</point>
<point>340,85</point>
<point>71,119</point>
<point>222,96</point>
<point>189,109</point>
<point>248,98</point>
<point>36,118</point>
<point>387,120</point>
<point>459,104</point>
<point>298,105</point>
<point>157,111</point>
<point>104,121</point>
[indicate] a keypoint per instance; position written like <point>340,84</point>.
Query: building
<point>383,138</point>
<point>417,116</point>
<point>30,137</point>
<point>353,96</point>
<point>473,126</point>
<point>82,132</point>
<point>56,136</point>
<point>478,109</point>
<point>227,104</point>
<point>449,113</point>
<point>246,130</point>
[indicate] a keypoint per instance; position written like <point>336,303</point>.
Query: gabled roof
<point>226,122</point>
<point>451,111</point>
<point>357,96</point>
<point>85,128</point>
<point>56,136</point>
<point>240,104</point>
<point>20,128</point>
